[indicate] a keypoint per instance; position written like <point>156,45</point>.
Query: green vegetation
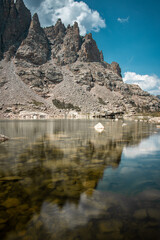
<point>37,103</point>
<point>101,101</point>
<point>152,114</point>
<point>62,105</point>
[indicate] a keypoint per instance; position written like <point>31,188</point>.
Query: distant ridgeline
<point>56,64</point>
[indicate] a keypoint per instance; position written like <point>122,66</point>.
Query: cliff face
<point>68,46</point>
<point>14,23</point>
<point>55,70</point>
<point>35,47</point>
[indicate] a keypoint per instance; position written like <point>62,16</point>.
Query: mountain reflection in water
<point>54,181</point>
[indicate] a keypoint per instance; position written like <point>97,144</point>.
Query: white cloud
<point>123,20</point>
<point>70,11</point>
<point>146,82</point>
<point>146,147</point>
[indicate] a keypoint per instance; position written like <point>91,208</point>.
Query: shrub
<point>62,105</point>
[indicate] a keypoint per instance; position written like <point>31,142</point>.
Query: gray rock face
<point>14,23</point>
<point>1,21</point>
<point>41,78</point>
<point>35,47</point>
<point>68,46</point>
<point>89,51</point>
<point>71,45</point>
<point>116,68</point>
<point>53,75</point>
<point>56,35</point>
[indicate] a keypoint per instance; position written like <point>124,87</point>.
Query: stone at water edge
<point>99,127</point>
<point>3,138</point>
<point>155,120</point>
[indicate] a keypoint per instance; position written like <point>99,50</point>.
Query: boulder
<point>99,127</point>
<point>3,138</point>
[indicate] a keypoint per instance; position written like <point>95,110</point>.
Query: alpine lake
<point>62,180</point>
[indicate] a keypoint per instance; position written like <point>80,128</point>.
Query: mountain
<point>56,72</point>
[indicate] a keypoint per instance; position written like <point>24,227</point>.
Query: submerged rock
<point>11,202</point>
<point>10,179</point>
<point>140,214</point>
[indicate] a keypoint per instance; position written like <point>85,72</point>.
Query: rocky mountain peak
<point>20,5</point>
<point>101,56</point>
<point>59,22</point>
<point>116,68</point>
<point>13,10</point>
<point>15,20</point>
<point>68,46</point>
<point>59,27</point>
<point>34,48</point>
<point>35,24</point>
<point>12,3</point>
<point>88,36</point>
<point>89,50</point>
<point>76,27</point>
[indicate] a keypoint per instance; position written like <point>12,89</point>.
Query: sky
<point>127,31</point>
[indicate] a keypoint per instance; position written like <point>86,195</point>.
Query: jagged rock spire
<point>15,20</point>
<point>35,24</point>
<point>101,56</point>
<point>13,10</point>
<point>67,44</point>
<point>76,27</point>
<point>89,51</point>
<point>59,27</point>
<point>20,5</point>
<point>116,68</point>
<point>34,48</point>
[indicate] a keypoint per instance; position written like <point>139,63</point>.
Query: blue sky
<point>127,32</point>
<point>134,44</point>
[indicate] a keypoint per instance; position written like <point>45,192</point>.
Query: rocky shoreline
<point>28,115</point>
<point>3,138</point>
